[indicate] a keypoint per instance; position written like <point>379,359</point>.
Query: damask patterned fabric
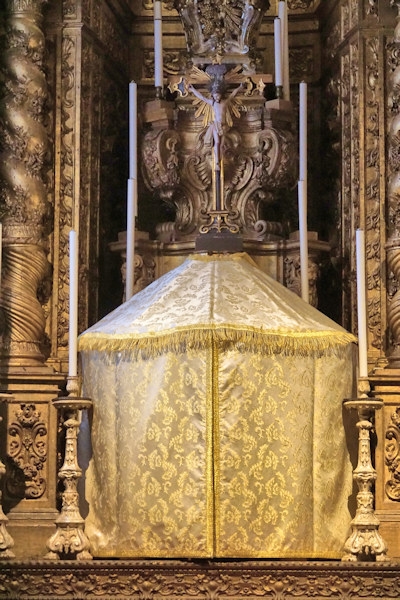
<point>229,445</point>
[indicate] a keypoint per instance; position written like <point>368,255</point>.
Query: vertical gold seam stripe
<point>209,456</point>
<point>216,446</point>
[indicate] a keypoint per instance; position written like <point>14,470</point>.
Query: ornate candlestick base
<point>69,537</point>
<point>365,539</point>
<point>6,541</point>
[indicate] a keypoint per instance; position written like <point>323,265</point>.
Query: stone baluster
<point>23,194</point>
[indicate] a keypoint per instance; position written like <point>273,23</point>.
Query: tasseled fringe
<point>179,341</point>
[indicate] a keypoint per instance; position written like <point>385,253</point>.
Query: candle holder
<point>69,539</point>
<point>6,541</point>
<point>365,539</point>
<point>279,92</point>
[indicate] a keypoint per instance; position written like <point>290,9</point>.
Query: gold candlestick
<point>365,540</point>
<point>69,537</point>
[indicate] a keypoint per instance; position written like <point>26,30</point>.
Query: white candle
<point>73,305</point>
<point>132,130</point>
<point>302,200</point>
<point>303,126</point>
<point>158,47</point>
<point>278,52</point>
<point>283,15</point>
<point>130,238</point>
<point>361,305</point>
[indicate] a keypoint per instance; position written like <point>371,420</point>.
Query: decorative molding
<point>372,8</point>
<point>292,277</point>
<point>203,580</point>
<point>216,31</point>
<point>392,456</point>
<point>27,443</point>
<point>393,191</point>
<point>302,64</point>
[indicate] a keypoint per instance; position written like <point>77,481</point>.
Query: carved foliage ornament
<point>392,456</point>
<point>190,581</point>
<point>27,451</point>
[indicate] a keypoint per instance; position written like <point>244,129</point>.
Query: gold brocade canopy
<point>217,426</point>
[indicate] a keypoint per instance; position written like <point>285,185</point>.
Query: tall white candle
<point>303,126</point>
<point>302,200</point>
<point>132,130</point>
<point>283,15</point>
<point>130,238</point>
<point>361,304</point>
<point>158,47</point>
<point>278,52</point>
<point>73,304</point>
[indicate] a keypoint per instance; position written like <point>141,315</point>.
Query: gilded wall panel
<point>371,8</point>
<point>346,208</point>
<point>372,209</point>
<point>67,169</point>
<point>87,59</point>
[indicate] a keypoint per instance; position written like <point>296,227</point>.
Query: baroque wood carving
<point>392,456</point>
<point>214,30</point>
<point>393,242</point>
<point>259,158</point>
<point>27,452</point>
<point>205,580</point>
<point>23,195</point>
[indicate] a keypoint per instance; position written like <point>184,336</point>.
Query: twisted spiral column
<point>23,195</point>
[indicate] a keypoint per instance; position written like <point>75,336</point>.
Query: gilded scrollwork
<point>214,30</point>
<point>292,277</point>
<point>27,452</point>
<point>160,161</point>
<point>189,580</point>
<point>257,161</point>
<point>392,456</point>
<point>372,8</point>
<point>300,5</point>
<point>393,242</point>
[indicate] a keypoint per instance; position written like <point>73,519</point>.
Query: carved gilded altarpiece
<point>66,139</point>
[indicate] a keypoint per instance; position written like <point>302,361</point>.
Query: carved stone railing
<point>23,196</point>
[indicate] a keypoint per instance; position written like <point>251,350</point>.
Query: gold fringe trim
<point>200,337</point>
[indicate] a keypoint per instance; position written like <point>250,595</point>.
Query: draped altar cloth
<point>217,423</point>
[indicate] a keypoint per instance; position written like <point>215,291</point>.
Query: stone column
<point>23,195</point>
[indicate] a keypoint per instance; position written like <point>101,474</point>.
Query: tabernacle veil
<point>217,423</point>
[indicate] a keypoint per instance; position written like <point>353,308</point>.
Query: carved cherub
<point>217,112</point>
